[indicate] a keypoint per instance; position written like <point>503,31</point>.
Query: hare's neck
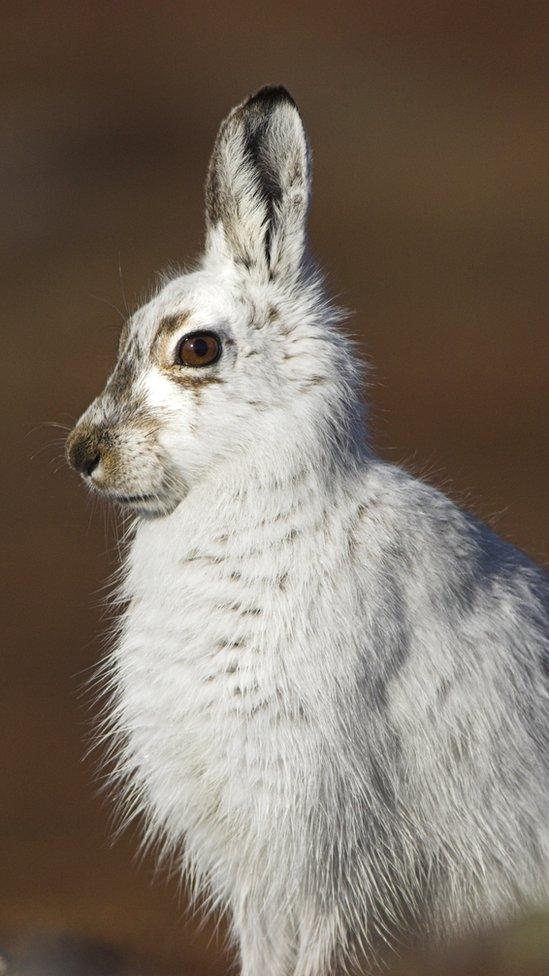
<point>251,512</point>
<point>269,483</point>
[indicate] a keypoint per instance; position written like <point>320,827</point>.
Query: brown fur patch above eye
<point>166,329</point>
<point>171,324</point>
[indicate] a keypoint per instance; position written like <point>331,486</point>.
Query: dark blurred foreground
<point>519,950</point>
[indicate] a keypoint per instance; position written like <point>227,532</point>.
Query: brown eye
<point>199,349</point>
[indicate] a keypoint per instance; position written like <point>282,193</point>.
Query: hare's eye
<point>199,349</point>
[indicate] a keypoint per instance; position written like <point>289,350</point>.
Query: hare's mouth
<point>153,503</point>
<point>131,499</point>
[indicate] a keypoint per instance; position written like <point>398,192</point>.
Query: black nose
<point>83,452</point>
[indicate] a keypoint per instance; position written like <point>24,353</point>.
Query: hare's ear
<point>257,189</point>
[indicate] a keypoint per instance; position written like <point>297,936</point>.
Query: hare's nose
<point>90,463</point>
<point>83,453</point>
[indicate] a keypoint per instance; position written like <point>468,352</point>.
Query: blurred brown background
<point>429,130</point>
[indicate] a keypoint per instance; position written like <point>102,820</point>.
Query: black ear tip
<point>269,97</point>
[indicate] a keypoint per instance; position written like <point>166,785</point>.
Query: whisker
<point>105,301</point>
<point>49,423</point>
<point>121,279</point>
<point>46,447</point>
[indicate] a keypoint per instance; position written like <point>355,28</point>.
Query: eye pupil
<point>200,349</point>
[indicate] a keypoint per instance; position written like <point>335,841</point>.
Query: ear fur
<point>258,183</point>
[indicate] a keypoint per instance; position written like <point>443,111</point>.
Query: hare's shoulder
<point>439,552</point>
<point>452,605</point>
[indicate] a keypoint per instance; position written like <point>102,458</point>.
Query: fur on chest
<point>218,665</point>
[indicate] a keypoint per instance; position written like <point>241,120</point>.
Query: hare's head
<point>234,357</point>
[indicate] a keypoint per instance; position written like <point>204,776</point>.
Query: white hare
<point>330,685</point>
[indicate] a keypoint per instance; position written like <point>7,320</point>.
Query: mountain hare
<point>330,685</point>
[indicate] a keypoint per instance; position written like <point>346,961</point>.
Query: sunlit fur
<point>329,686</point>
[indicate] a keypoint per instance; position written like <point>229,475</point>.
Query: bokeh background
<point>429,128</point>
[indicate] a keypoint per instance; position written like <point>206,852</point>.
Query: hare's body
<point>334,700</point>
<point>331,694</point>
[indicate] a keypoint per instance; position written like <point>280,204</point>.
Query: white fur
<point>329,696</point>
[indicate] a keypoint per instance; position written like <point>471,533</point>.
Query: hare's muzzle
<point>122,461</point>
